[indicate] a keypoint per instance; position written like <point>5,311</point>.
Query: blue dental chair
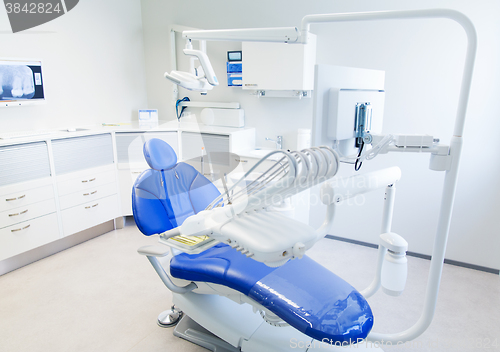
<point>300,294</point>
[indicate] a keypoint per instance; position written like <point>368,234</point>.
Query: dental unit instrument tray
<point>189,244</point>
<point>243,217</point>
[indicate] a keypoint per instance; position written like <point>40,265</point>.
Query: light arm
<point>277,35</point>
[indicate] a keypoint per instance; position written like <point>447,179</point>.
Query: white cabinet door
<point>27,212</point>
<point>80,153</point>
<point>27,206</point>
<point>87,195</point>
<point>27,235</point>
<point>85,180</point>
<point>23,197</point>
<point>23,162</point>
<point>87,215</point>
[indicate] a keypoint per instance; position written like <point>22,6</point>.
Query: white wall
<point>93,66</point>
<point>423,61</point>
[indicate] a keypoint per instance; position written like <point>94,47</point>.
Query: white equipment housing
<point>337,90</point>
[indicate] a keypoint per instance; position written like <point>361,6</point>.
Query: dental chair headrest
<point>159,155</point>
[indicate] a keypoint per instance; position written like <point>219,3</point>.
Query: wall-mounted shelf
<point>299,94</point>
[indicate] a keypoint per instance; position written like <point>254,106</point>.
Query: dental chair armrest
<point>154,251</point>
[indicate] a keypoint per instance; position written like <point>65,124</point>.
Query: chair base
<point>169,318</point>
<point>220,318</point>
<point>190,330</point>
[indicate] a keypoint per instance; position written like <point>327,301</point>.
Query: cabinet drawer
<point>87,195</point>
<point>90,214</point>
<point>27,235</point>
<point>32,211</point>
<point>85,182</point>
<point>23,198</point>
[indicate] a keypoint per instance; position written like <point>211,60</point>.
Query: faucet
<point>278,141</point>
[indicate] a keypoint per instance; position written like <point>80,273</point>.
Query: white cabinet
<point>60,187</point>
<point>25,193</point>
<point>28,216</point>
<point>86,181</point>
<point>86,215</point>
<point>80,153</point>
<point>279,66</point>
<point>27,212</point>
<point>23,162</point>
<point>27,235</point>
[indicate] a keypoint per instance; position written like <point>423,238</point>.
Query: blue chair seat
<point>303,293</point>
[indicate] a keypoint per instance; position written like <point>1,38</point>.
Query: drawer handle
<point>21,213</point>
<point>85,181</point>
<point>137,172</point>
<point>241,160</point>
<point>91,206</point>
<point>88,194</point>
<point>20,229</point>
<point>15,198</point>
<point>92,179</point>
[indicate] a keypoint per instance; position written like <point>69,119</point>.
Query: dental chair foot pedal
<point>169,318</point>
<point>190,330</point>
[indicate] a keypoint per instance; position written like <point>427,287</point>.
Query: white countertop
<point>163,126</point>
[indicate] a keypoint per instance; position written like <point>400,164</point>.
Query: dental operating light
<point>273,35</point>
<point>202,81</point>
<point>206,81</point>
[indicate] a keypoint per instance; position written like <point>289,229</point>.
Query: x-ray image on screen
<point>20,81</point>
<point>16,82</point>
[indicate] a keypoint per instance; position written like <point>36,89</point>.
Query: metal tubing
<point>166,280</point>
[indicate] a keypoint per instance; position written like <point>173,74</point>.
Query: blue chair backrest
<point>168,193</point>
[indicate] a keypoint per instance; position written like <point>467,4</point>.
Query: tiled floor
<point>102,296</point>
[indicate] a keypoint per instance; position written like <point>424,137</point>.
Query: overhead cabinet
<point>279,66</point>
